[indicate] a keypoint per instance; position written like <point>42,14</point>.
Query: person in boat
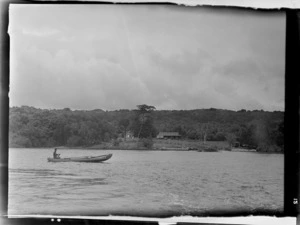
<point>55,155</point>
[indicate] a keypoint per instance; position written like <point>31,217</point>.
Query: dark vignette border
<point>291,116</point>
<point>291,123</point>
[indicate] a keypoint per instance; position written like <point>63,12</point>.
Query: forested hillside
<point>32,127</point>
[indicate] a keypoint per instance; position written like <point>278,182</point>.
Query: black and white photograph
<point>145,110</point>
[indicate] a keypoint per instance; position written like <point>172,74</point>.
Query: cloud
<point>64,82</point>
<point>184,63</point>
<point>113,57</point>
<point>225,87</point>
<point>40,32</point>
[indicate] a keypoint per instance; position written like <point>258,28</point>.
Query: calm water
<point>144,183</point>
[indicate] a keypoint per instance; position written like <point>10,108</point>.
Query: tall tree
<point>143,123</point>
<point>230,138</point>
<point>123,125</point>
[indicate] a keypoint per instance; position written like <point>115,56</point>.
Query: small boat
<point>94,159</point>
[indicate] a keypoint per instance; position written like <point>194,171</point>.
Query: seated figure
<point>55,155</point>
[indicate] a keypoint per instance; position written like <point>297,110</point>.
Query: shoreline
<point>142,149</point>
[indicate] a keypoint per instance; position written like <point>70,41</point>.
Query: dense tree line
<point>32,127</point>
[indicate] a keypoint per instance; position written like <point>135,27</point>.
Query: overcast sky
<point>172,57</point>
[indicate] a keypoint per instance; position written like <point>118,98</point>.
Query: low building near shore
<point>168,135</point>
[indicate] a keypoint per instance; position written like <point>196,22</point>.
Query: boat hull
<point>92,159</point>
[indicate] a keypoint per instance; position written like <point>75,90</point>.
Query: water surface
<point>144,183</point>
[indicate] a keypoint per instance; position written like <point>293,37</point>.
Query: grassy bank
<point>165,145</point>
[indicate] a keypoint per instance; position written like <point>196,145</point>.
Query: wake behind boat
<point>100,158</point>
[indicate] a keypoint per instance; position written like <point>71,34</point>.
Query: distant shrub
<point>146,143</point>
<point>116,142</point>
<point>74,141</point>
<point>19,141</point>
<point>269,148</point>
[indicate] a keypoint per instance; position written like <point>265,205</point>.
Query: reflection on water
<point>144,182</point>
